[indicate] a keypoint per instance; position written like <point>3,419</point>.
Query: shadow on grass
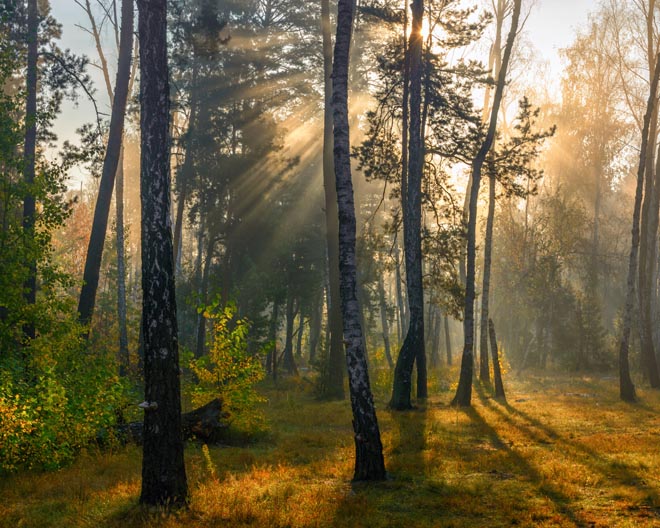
<point>622,473</point>
<point>561,501</point>
<point>407,454</point>
<point>443,491</point>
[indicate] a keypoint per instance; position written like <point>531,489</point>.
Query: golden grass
<point>563,452</point>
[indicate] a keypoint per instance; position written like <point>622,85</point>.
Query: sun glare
<point>425,29</point>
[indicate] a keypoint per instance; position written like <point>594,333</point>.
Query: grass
<point>563,452</point>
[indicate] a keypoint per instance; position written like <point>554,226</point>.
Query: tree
<point>413,344</point>
<point>649,224</point>
<point>163,471</point>
<point>626,386</point>
<point>124,358</point>
<point>464,390</point>
<point>334,386</point>
<point>494,62</point>
<point>447,133</point>
<point>110,164</point>
<point>29,153</point>
<point>369,462</point>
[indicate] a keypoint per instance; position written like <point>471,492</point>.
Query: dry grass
<point>563,452</point>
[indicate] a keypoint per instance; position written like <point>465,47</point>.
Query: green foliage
<point>229,371</point>
<point>47,417</point>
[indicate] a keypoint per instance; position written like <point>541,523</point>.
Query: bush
<point>54,398</point>
<point>229,371</point>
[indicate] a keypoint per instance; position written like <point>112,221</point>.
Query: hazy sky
<point>552,23</point>
<point>550,26</point>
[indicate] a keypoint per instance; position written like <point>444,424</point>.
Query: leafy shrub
<point>229,371</point>
<point>54,397</point>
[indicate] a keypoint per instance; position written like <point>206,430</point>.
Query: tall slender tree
<point>110,164</point>
<point>334,385</point>
<point>29,154</point>
<point>163,471</point>
<point>413,344</point>
<point>495,62</point>
<point>369,461</point>
<point>626,386</point>
<point>119,183</point>
<point>464,391</point>
<point>649,225</point>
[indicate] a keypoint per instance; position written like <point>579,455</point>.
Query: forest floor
<point>563,452</point>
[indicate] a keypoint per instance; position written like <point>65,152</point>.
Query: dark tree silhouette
<point>163,472</point>
<point>334,385</point>
<point>413,345</point>
<point>110,164</point>
<point>464,392</point>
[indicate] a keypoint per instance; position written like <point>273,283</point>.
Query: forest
<point>353,263</point>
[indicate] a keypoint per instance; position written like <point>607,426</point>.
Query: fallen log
<point>207,423</point>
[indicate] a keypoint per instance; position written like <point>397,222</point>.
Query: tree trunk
<point>369,462</point>
<point>164,480</point>
<point>200,342</point>
<point>448,341</point>
<point>403,318</point>
<point>648,228</point>
<point>497,371</point>
<point>326,340</point>
<point>29,157</point>
<point>271,360</point>
<point>334,385</point>
<point>124,358</point>
<point>383,321</point>
<point>185,174</point>
<point>362,303</point>
<point>110,164</point>
<point>413,345</point>
<point>626,387</point>
<point>300,331</point>
<point>435,338</point>
<point>495,63</point>
<point>484,368</point>
<point>315,326</point>
<point>405,118</point>
<point>207,423</point>
<point>464,392</point>
<point>288,362</point>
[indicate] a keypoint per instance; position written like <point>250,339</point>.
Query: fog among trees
<point>299,246</point>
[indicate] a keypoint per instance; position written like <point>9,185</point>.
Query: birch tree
<point>369,462</point>
<point>626,386</point>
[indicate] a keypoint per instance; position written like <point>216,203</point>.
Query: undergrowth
<point>563,452</point>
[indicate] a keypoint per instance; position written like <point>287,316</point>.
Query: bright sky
<point>551,26</point>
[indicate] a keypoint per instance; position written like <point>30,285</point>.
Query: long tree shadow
<point>409,443</point>
<point>541,433</point>
<point>419,488</point>
<point>560,500</point>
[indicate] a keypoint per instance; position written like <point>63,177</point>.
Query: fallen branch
<point>207,423</point>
